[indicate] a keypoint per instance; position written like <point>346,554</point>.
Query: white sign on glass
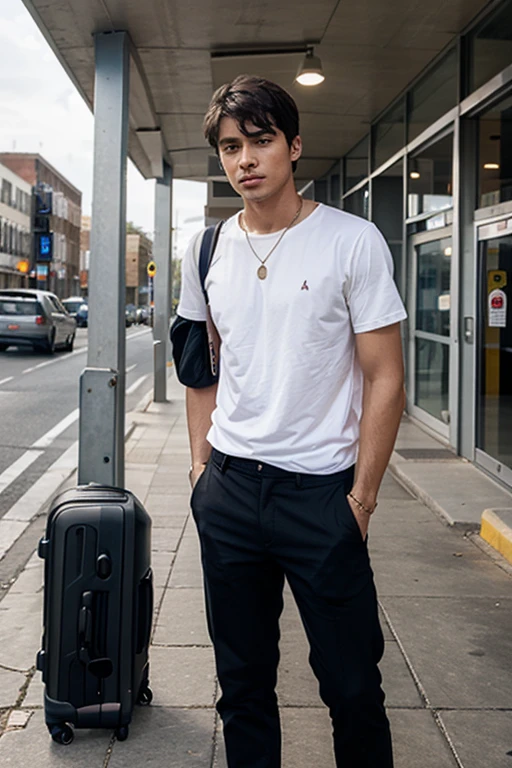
<point>497,308</point>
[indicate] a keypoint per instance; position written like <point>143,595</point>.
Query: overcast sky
<point>41,111</point>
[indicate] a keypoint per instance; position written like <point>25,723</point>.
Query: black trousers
<point>257,525</point>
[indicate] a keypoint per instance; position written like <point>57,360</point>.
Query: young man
<point>289,449</point>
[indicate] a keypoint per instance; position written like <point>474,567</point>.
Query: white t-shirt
<point>290,387</point>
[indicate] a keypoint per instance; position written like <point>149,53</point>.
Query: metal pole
<point>102,384</point>
<point>162,281</point>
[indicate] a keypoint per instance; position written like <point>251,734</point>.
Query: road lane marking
<point>35,501</point>
<point>136,384</point>
<point>10,474</point>
<point>55,360</point>
<point>48,438</point>
<point>10,532</point>
<point>77,352</point>
<point>4,381</point>
<point>128,370</point>
<point>17,468</point>
<point>38,495</point>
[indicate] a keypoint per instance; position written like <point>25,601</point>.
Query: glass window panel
<point>495,155</point>
<point>356,164</point>
<point>490,46</point>
<point>430,178</point>
<point>433,287</point>
<point>335,193</point>
<point>389,134</point>
<point>432,374</point>
<point>387,211</point>
<point>495,386</point>
<point>321,191</point>
<point>357,203</point>
<point>434,95</point>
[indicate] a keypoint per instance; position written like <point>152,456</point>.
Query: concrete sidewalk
<point>446,610</point>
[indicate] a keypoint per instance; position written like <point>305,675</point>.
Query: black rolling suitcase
<point>98,607</point>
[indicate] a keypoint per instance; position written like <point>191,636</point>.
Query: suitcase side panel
<point>95,647</point>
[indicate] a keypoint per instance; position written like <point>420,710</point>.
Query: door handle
<point>469,329</point>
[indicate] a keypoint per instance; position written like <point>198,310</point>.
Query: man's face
<point>257,166</point>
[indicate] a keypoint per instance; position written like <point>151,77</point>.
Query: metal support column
<point>162,251</point>
<point>467,307</point>
<point>102,384</point>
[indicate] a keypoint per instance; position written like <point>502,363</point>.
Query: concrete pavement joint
<point>14,669</point>
<point>24,687</point>
<point>166,585</point>
<point>110,749</point>
<point>181,645</point>
<point>421,689</point>
<point>475,538</point>
<point>215,727</point>
<point>5,715</point>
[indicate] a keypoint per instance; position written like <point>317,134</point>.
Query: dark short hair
<point>251,99</point>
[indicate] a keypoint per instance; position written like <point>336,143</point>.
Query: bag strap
<point>208,245</point>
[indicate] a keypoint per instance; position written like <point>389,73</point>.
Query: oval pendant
<point>262,272</point>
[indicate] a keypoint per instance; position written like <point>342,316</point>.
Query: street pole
<point>102,384</point>
<point>162,250</point>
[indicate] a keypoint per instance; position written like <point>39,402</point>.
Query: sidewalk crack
<point>421,690</point>
<point>15,669</point>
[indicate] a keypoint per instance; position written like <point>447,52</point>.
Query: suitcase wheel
<point>122,732</point>
<point>145,696</point>
<point>62,734</point>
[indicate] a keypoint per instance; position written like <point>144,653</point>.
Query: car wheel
<point>3,347</point>
<point>69,343</point>
<point>49,347</point>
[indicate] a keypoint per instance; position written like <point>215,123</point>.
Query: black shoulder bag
<point>196,343</point>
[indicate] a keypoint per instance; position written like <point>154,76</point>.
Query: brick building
<point>64,221</point>
<point>15,229</point>
<point>139,250</point>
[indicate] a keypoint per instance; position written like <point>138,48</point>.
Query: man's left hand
<point>362,517</point>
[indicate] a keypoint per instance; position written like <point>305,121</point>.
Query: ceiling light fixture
<point>492,166</point>
<point>310,71</point>
<point>414,172</point>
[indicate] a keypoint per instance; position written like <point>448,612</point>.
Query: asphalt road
<point>39,402</point>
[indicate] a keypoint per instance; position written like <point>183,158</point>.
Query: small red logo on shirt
<point>305,286</point>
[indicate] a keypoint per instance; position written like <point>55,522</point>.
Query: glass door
<point>430,323</point>
<point>494,386</point>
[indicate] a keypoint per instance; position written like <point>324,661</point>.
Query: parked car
<point>143,316</point>
<point>77,308</point>
<point>36,318</point>
<point>130,314</point>
<point>82,316</point>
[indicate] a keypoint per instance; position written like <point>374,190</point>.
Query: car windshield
<point>20,307</point>
<point>72,306</point>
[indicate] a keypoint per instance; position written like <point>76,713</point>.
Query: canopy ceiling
<point>370,51</point>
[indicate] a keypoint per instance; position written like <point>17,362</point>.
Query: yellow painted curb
<point>497,533</point>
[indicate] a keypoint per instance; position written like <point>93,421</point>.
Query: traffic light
<point>44,246</point>
<point>151,268</point>
<point>43,237</point>
<point>43,203</point>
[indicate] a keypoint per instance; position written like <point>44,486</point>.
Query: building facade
<point>434,173</point>
<point>64,220</point>
<point>139,249</point>
<point>15,229</point>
